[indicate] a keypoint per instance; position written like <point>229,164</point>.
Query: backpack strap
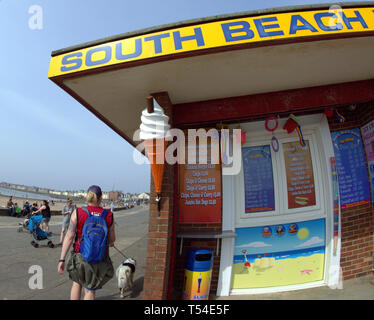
<point>76,229</point>
<point>85,209</point>
<point>104,213</point>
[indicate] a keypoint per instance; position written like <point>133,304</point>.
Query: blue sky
<point>251,239</point>
<point>48,139</point>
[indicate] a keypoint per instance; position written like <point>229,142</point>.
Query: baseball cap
<point>96,190</point>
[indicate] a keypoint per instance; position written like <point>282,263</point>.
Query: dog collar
<point>132,267</point>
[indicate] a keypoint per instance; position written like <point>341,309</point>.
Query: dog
<point>125,276</point>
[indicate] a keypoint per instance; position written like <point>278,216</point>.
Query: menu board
<point>258,179</point>
<point>351,167</point>
<point>299,173</point>
<point>200,193</point>
<point>368,140</point>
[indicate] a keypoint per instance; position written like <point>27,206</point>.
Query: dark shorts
<point>90,276</point>
<point>46,219</point>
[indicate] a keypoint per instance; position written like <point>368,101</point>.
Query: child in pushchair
<point>24,224</point>
<point>28,213</point>
<point>37,233</point>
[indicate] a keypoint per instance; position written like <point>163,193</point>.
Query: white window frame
<point>313,147</point>
<point>281,212</point>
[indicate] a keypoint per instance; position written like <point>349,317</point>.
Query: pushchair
<point>37,233</point>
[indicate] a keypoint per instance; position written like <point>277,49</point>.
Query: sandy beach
<point>56,207</point>
<point>282,273</point>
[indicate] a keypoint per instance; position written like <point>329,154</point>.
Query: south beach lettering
<point>215,35</point>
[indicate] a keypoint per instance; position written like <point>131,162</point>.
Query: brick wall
<point>356,223</point>
<point>357,241</point>
<point>160,228</point>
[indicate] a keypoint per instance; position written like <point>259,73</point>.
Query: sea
<point>27,195</point>
<point>292,254</point>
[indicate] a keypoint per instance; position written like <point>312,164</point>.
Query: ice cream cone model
<point>153,131</point>
<point>155,151</point>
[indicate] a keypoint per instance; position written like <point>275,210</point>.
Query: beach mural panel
<point>279,255</point>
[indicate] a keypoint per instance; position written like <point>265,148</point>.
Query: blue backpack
<point>94,239</point>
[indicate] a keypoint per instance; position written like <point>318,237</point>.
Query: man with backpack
<point>91,228</point>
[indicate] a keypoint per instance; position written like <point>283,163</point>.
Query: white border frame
<point>281,212</point>
<point>232,200</point>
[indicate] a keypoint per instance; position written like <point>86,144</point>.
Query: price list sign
<point>258,179</point>
<point>367,132</point>
<point>200,192</point>
<point>351,167</point>
<point>299,172</point>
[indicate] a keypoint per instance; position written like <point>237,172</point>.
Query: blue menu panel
<point>351,166</point>
<point>258,179</point>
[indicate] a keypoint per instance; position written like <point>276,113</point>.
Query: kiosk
<point>299,83</point>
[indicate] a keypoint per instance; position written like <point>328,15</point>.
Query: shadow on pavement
<point>137,290</point>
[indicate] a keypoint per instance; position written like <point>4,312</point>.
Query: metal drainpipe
<point>174,234</point>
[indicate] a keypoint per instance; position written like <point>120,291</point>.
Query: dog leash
<point>119,251</point>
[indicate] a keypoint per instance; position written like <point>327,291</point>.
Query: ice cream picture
<point>153,131</point>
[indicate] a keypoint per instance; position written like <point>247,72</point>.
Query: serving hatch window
<point>278,183</point>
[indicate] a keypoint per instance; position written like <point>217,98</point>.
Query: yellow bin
<point>197,275</point>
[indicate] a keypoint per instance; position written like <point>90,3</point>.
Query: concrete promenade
<point>17,256</point>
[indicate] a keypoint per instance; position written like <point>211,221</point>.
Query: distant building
<point>105,195</point>
<point>43,190</point>
<point>143,196</point>
<point>80,194</point>
<point>54,192</point>
<point>114,195</point>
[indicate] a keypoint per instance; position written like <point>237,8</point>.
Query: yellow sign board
<point>215,35</point>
